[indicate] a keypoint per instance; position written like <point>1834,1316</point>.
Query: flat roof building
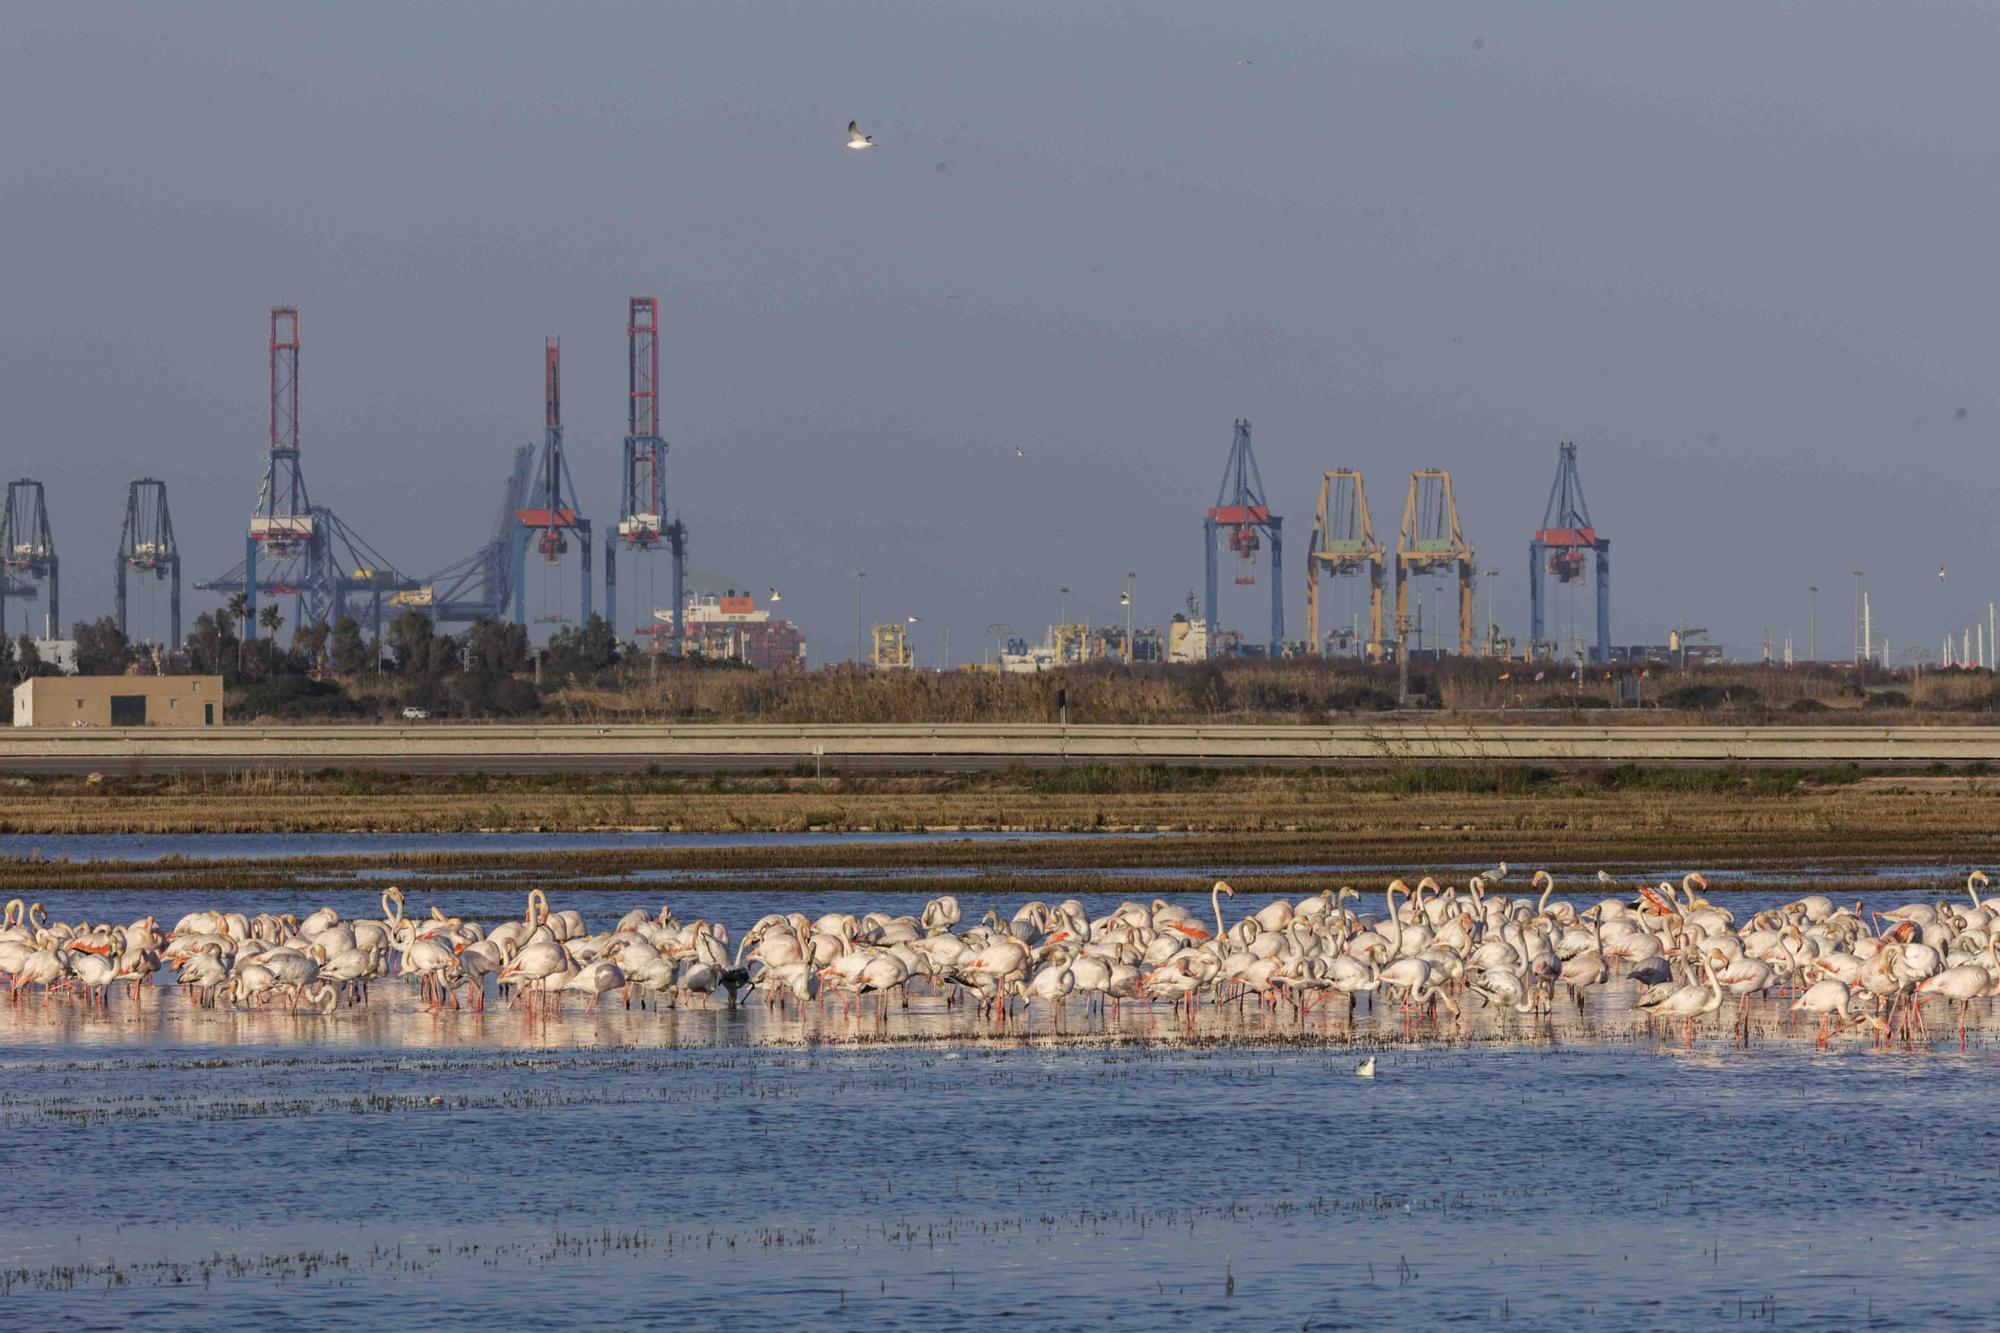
<point>119,701</point>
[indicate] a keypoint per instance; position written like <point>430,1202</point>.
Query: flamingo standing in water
<point>1828,998</point>
<point>1962,985</point>
<point>1692,1002</point>
<point>1431,945</point>
<point>534,965</point>
<point>1743,977</point>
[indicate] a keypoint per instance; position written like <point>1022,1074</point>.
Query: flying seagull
<point>1366,1069</point>
<point>1019,452</point>
<point>915,619</point>
<point>856,139</point>
<point>1940,573</point>
<point>777,596</point>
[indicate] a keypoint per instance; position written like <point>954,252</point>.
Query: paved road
<point>453,748</point>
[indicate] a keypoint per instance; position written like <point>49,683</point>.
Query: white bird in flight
<point>1940,573</point>
<point>1019,452</point>
<point>777,596</point>
<point>856,139</point>
<point>1366,1069</point>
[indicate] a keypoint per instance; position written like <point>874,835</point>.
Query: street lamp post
<point>1403,661</point>
<point>1126,598</point>
<point>1812,623</point>
<point>859,650</point>
<point>1492,627</point>
<point>1857,617</point>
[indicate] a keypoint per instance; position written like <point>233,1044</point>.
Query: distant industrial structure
<point>1344,546</point>
<point>146,545</point>
<point>295,548</point>
<point>550,517</point>
<point>480,586</point>
<point>731,627</point>
<point>1241,510</point>
<point>889,648</point>
<point>643,525</point>
<point>28,548</point>
<point>1078,644</point>
<point>1559,548</point>
<point>1430,542</point>
<point>298,549</point>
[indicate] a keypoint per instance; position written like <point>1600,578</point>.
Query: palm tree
<point>271,618</point>
<point>238,607</point>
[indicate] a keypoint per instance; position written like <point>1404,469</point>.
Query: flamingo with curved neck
<point>1215,901</point>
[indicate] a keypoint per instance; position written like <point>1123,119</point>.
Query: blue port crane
<point>1240,510</point>
<point>1560,546</point>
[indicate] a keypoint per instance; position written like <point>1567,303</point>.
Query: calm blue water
<point>934,1188</point>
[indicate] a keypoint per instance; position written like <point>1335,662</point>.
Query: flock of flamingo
<point>1434,951</point>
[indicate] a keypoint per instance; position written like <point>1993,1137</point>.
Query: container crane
<point>480,586</point>
<point>1240,508</point>
<point>1344,545</point>
<point>28,548</point>
<point>146,545</point>
<point>643,524</point>
<point>1558,548</point>
<point>294,547</point>
<point>550,519</point>
<point>1430,541</point>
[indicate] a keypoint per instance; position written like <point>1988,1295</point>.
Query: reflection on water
<point>395,1017</point>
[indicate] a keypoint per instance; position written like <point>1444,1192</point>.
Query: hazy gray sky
<point>1740,252</point>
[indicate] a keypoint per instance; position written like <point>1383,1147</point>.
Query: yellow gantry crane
<point>1343,544</point>
<point>891,648</point>
<point>1431,540</point>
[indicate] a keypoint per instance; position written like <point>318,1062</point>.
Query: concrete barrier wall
<point>437,744</point>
